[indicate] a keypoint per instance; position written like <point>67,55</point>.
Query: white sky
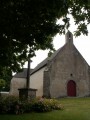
<point>82,43</point>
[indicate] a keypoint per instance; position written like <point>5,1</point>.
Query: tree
<point>29,25</point>
<point>2,84</point>
<point>6,75</point>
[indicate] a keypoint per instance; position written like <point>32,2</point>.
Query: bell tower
<point>69,37</point>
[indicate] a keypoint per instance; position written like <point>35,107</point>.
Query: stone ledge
<point>27,93</point>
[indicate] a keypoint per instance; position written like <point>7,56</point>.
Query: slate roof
<point>22,74</point>
<point>40,65</point>
<point>44,62</point>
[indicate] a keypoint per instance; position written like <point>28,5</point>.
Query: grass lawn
<point>74,109</point>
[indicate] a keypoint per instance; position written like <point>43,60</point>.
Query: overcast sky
<point>82,43</point>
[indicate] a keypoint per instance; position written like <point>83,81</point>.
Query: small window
<point>71,74</point>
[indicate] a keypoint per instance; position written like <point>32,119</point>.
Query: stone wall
<point>68,65</point>
<point>46,84</point>
<point>17,83</point>
<point>36,81</point>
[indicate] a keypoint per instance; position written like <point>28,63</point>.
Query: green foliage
<point>6,74</point>
<point>12,105</point>
<point>25,28</point>
<point>45,105</point>
<point>41,106</point>
<point>50,52</point>
<point>27,106</point>
<point>2,84</point>
<point>8,104</point>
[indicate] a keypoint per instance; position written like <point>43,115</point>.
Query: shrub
<point>55,104</point>
<point>41,106</point>
<point>45,105</point>
<point>27,105</point>
<point>2,105</point>
<point>12,105</point>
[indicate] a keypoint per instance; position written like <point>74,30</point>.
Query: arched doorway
<point>71,88</point>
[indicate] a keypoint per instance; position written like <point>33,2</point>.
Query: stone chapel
<point>65,73</point>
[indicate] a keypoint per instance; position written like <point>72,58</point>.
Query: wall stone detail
<point>46,84</point>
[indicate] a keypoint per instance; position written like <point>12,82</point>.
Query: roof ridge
<point>44,62</point>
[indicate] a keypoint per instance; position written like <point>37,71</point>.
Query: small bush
<point>27,105</point>
<point>45,105</point>
<point>9,105</point>
<point>12,105</point>
<point>41,106</point>
<point>55,104</point>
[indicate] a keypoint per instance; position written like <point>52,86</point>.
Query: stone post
<point>28,74</point>
<point>27,93</point>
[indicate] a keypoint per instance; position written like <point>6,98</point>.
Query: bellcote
<point>69,37</point>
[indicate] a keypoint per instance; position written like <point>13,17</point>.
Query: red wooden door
<point>71,88</point>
